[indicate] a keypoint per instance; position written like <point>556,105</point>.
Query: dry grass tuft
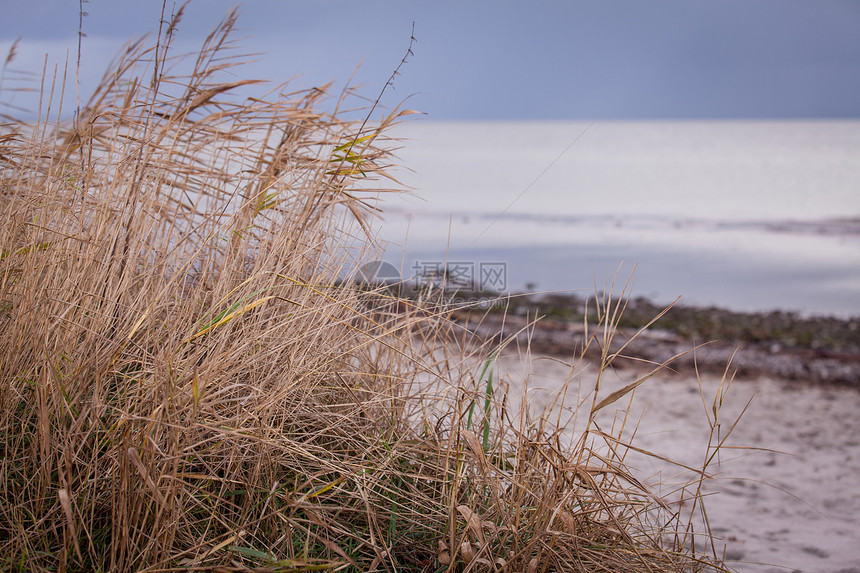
<point>189,384</point>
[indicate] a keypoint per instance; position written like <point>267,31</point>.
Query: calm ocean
<point>747,215</point>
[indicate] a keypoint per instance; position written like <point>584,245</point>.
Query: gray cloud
<point>497,60</point>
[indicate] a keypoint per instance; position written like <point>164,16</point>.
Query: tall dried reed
<point>189,382</point>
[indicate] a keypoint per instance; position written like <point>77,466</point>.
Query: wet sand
<point>790,504</point>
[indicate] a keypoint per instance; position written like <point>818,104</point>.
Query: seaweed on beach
<point>784,330</point>
<point>785,345</point>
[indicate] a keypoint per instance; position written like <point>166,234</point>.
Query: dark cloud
<point>542,60</point>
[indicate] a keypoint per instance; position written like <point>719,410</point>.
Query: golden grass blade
<point>144,473</point>
<point>620,393</point>
<point>66,504</point>
<point>229,314</point>
<point>473,522</point>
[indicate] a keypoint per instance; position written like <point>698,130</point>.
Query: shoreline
<point>824,350</point>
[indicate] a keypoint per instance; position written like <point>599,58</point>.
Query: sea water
<point>748,215</point>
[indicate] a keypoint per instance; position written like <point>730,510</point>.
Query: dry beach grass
<point>189,383</point>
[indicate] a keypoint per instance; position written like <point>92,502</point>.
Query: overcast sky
<point>567,59</point>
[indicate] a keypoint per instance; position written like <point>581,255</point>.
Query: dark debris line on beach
<point>779,344</point>
<point>778,330</point>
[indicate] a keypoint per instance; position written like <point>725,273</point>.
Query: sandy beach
<point>790,503</point>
